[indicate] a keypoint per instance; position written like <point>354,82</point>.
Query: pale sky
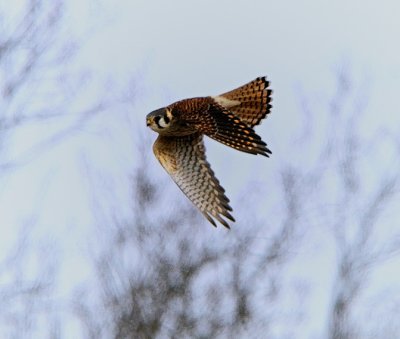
<point>177,49</point>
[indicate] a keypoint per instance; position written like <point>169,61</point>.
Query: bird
<point>228,118</point>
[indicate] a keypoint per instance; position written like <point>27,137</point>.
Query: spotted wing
<point>185,160</point>
<point>251,102</point>
<point>233,132</point>
<point>208,117</point>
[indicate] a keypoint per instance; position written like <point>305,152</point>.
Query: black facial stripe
<point>157,120</point>
<point>166,119</point>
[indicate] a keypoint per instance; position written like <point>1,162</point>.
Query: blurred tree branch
<point>27,275</point>
<point>356,214</point>
<point>35,84</point>
<point>35,52</point>
<point>162,275</point>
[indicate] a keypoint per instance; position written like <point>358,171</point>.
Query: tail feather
<point>251,102</point>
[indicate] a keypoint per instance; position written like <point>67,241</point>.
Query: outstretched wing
<point>185,160</point>
<point>251,102</point>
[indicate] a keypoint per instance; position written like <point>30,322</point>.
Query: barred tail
<point>250,103</point>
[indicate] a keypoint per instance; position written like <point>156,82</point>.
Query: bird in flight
<point>228,118</point>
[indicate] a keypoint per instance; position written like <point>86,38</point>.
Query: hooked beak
<point>148,122</point>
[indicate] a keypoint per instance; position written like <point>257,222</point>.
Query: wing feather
<point>233,132</point>
<point>206,116</point>
<point>184,159</point>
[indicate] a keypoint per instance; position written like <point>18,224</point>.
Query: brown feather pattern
<point>228,118</point>
<point>255,101</point>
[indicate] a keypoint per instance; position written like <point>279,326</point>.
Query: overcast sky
<point>177,49</point>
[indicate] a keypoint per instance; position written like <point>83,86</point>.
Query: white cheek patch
<point>162,123</point>
<point>227,103</point>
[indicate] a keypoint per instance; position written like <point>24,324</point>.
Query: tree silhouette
<point>165,273</point>
<point>35,90</point>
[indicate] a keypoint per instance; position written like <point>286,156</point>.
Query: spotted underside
<point>185,160</point>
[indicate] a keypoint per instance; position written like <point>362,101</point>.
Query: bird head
<point>159,119</point>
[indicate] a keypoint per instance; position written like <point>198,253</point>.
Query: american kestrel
<point>228,118</point>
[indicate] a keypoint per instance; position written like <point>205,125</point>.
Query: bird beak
<point>148,122</point>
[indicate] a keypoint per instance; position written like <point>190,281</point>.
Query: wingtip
<point>211,220</point>
<point>219,218</point>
